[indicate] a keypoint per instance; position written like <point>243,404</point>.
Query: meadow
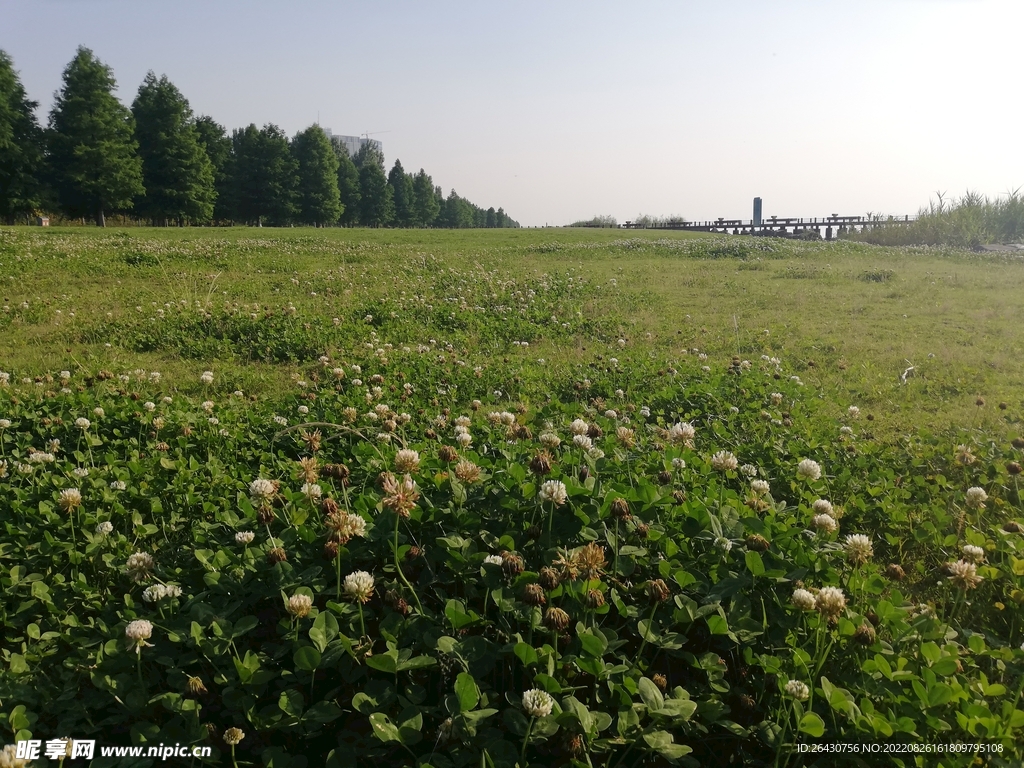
<point>511,497</point>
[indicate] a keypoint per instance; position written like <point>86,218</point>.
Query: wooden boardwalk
<point>828,227</point>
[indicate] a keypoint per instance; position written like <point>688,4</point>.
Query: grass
<point>574,531</point>
<point>851,318</point>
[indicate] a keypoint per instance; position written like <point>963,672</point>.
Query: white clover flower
<point>407,460</point>
<point>70,498</point>
<point>825,523</point>
<point>645,412</point>
<point>154,376</point>
<point>463,421</point>
<point>776,398</point>
<point>154,593</point>
<point>976,497</point>
<point>5,423</point>
<point>65,375</point>
<point>206,406</point>
<point>759,487</point>
<point>798,690</point>
<point>464,439</point>
<point>723,544</point>
<point>595,454</point>
<point>830,601</point>
<point>299,605</point>
<point>149,406</point>
<point>579,427</point>
<point>678,463</point>
<point>683,432</point>
<point>99,413</point>
<point>261,491</point>
<point>538,703</point>
<point>858,549</point>
<point>724,461</point>
<point>973,554</point>
<point>748,470</point>
<point>804,600</point>
<point>105,528</point>
<point>822,507</point>
<point>281,420</point>
<point>582,441</point>
<point>137,633</point>
<point>845,431</point>
<point>550,440</point>
<point>3,468</point>
<point>853,411</point>
<point>214,421</point>
<point>610,414</point>
<point>118,485</point>
<point>808,469</point>
<point>244,537</point>
<point>207,377</point>
<point>82,423</point>
<point>166,400</point>
<point>312,490</point>
<point>80,472</point>
<point>553,491</point>
<point>303,409</point>
<point>493,560</point>
<point>359,586</point>
<point>964,574</point>
<point>139,566</point>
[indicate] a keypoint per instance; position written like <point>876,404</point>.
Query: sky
<point>560,111</point>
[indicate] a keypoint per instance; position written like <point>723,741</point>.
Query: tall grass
<point>967,222</point>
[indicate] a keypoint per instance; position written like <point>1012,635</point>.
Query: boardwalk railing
<point>828,226</point>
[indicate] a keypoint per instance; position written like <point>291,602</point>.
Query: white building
<point>354,143</point>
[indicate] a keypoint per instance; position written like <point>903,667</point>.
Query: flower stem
<point>398,567</point>
<point>526,739</point>
<point>362,624</point>
<point>643,640</point>
<point>337,571</point>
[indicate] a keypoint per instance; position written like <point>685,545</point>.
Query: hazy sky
<point>563,110</point>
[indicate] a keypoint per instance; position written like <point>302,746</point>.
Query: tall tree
<point>215,140</point>
<point>376,202</point>
<point>369,152</point>
<point>424,201</point>
<point>348,183</point>
<point>264,176</point>
<point>492,218</point>
<point>402,193</point>
<point>176,169</point>
<point>21,146</point>
<point>92,147</point>
<point>318,198</point>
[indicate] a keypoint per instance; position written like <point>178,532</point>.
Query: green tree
<point>21,146</point>
<point>376,202</point>
<point>319,200</point>
<point>264,176</point>
<point>425,205</point>
<point>492,218</point>
<point>369,153</point>
<point>176,170</point>
<point>92,147</point>
<point>215,140</point>
<point>348,183</point>
<point>457,213</point>
<point>402,193</point>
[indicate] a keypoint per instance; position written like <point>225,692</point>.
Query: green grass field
<point>510,498</point>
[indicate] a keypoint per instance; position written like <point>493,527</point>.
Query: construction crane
<point>368,134</point>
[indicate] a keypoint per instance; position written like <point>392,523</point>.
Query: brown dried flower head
<point>865,634</point>
<point>594,599</point>
<point>549,578</point>
<point>511,564</point>
<point>312,439</point>
<point>277,555</point>
<point>591,560</point>
<point>757,543</point>
<point>541,463</point>
<point>658,591</point>
<point>533,594</point>
<point>447,454</point>
<point>309,469</point>
<point>400,495</point>
<point>895,572</point>
<point>556,619</point>
<point>467,472</point>
<point>620,509</point>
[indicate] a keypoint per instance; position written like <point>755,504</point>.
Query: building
<point>354,143</point>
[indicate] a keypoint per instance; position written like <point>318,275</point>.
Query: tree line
<point>158,162</point>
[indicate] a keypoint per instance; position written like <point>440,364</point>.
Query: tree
<point>21,146</point>
<point>402,193</point>
<point>264,176</point>
<point>425,206</point>
<point>92,147</point>
<point>176,169</point>
<point>318,198</point>
<point>458,213</point>
<point>215,140</point>
<point>369,153</point>
<point>348,183</point>
<point>376,202</point>
<point>492,218</point>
